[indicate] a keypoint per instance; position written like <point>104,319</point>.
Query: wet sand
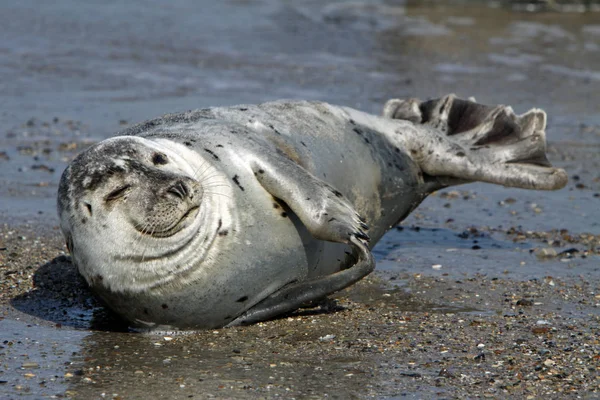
<point>454,335</point>
<point>482,292</point>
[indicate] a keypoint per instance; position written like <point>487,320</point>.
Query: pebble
<point>326,337</point>
<point>524,302</point>
<point>546,252</point>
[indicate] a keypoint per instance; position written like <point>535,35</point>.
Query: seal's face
<point>128,200</point>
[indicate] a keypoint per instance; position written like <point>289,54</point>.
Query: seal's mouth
<point>180,224</point>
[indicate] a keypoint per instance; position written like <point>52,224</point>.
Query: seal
<point>229,216</point>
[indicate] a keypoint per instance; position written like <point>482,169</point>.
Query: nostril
<point>179,190</point>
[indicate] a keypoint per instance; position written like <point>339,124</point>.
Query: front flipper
<point>325,212</point>
<point>293,296</point>
<point>481,143</point>
<point>327,215</point>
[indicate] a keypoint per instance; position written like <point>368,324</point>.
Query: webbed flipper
<point>293,296</point>
<point>327,215</point>
<point>484,143</point>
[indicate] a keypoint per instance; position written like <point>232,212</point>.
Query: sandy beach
<point>483,292</point>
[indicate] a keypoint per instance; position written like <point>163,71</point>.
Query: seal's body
<point>234,215</point>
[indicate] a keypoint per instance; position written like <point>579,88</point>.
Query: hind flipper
<point>481,143</point>
<point>293,296</point>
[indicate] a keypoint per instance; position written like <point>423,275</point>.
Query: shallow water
<point>73,72</point>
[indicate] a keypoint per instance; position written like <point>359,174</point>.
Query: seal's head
<point>125,205</point>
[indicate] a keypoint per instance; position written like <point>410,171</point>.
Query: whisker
<point>219,194</point>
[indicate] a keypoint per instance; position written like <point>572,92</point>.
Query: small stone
<point>327,337</point>
<point>30,365</point>
<point>446,373</point>
<point>524,302</point>
<point>549,363</point>
<point>546,252</point>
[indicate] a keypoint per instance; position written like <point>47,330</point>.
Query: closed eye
<point>115,194</point>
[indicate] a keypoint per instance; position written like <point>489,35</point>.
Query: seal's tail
<point>497,146</point>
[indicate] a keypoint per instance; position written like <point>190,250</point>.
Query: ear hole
<point>89,207</point>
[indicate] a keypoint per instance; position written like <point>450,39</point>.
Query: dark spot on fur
<point>352,122</point>
<point>159,159</point>
<point>275,205</point>
<point>261,171</point>
<point>366,140</point>
<point>337,193</point>
<point>83,220</point>
<point>397,150</point>
<point>164,306</point>
<point>227,317</point>
<point>220,224</point>
<point>358,131</point>
<point>460,154</point>
<point>242,299</point>
<point>302,143</point>
<point>223,232</point>
<point>276,131</point>
<point>331,219</point>
<point>243,109</point>
<point>89,207</point>
<point>236,179</point>
<point>413,152</point>
<point>430,152</point>
<point>284,214</point>
<point>219,145</point>
<point>188,144</point>
<point>216,157</point>
<point>146,311</point>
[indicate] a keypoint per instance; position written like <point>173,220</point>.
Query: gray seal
<point>229,216</point>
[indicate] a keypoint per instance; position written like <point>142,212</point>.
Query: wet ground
<point>483,292</point>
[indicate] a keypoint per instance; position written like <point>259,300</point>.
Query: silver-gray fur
<point>229,216</point>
